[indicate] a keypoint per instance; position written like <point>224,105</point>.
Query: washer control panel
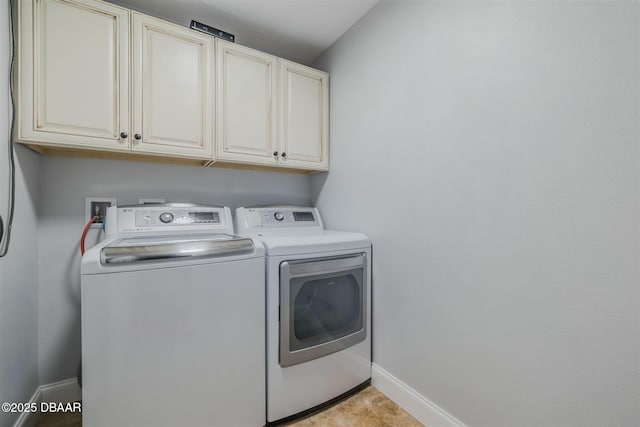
<point>169,217</point>
<point>176,217</point>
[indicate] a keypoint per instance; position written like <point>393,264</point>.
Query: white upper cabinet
<point>73,73</point>
<point>246,105</point>
<point>270,111</point>
<point>172,88</point>
<point>304,116</point>
<point>98,77</point>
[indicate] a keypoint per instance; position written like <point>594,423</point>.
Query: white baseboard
<point>420,408</point>
<point>29,419</point>
<point>66,391</point>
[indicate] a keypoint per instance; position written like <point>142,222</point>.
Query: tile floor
<point>368,408</point>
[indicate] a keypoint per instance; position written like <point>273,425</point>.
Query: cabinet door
<point>173,84</point>
<point>246,105</point>
<point>74,66</point>
<point>304,116</point>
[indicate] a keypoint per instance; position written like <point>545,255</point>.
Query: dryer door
<point>323,306</point>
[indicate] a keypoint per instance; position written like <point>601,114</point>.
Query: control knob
<point>166,217</point>
<point>279,216</point>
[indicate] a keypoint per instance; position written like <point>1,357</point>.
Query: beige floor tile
<point>368,408</point>
<point>60,420</point>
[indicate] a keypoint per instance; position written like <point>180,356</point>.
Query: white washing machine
<point>173,321</point>
<point>318,308</point>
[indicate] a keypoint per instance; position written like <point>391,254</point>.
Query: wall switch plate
<point>97,206</point>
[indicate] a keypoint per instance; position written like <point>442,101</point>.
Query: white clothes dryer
<point>318,308</point>
<point>173,321</point>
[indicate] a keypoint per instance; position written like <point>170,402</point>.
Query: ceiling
<point>299,30</point>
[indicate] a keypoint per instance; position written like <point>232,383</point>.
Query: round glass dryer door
<point>323,307</point>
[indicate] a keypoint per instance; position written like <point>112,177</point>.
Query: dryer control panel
<point>179,217</point>
<point>277,217</point>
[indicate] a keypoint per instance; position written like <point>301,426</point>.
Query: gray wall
<point>490,149</point>
<point>64,182</point>
<point>18,274</point>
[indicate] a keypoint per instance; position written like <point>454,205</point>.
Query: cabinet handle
<point>275,153</point>
<point>137,136</point>
<point>284,155</point>
<point>123,135</point>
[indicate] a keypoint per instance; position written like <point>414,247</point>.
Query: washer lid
<point>154,248</point>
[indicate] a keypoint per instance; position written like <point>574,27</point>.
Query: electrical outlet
<point>97,206</point>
